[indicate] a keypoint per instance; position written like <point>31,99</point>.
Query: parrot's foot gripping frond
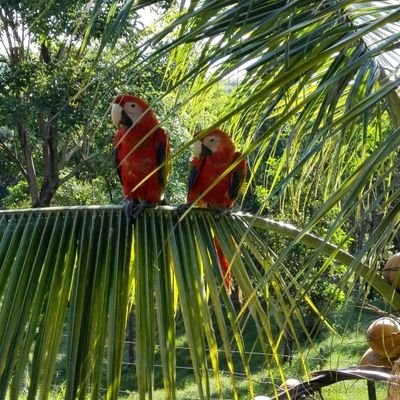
<point>223,211</point>
<point>181,209</point>
<point>133,208</point>
<point>129,208</point>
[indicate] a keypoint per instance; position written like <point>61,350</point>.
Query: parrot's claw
<point>223,211</point>
<point>181,209</point>
<point>129,208</point>
<point>133,208</point>
<point>139,209</point>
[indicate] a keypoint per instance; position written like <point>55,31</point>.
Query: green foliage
<point>57,86</point>
<point>18,196</point>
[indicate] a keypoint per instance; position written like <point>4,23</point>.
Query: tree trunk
<point>130,337</point>
<point>50,161</point>
<point>30,168</point>
<point>288,347</point>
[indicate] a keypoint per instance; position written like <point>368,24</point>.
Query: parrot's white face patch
<point>197,149</point>
<point>134,111</point>
<point>212,142</point>
<point>116,111</point>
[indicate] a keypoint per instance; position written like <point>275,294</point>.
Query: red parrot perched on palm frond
<point>209,183</point>
<point>141,153</point>
<point>213,155</point>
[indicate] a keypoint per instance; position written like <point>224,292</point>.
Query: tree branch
<point>16,45</point>
<point>14,158</point>
<point>76,169</point>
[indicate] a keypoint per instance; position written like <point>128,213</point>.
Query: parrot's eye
<point>133,105</point>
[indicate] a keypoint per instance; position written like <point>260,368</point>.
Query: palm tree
<point>317,81</point>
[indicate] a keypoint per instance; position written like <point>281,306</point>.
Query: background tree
<point>57,79</point>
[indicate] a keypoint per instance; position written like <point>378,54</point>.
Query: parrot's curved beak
<point>205,151</point>
<point>197,148</point>
<point>116,114</point>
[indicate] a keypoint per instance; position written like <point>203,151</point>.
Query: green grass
<point>329,351</point>
<point>355,390</point>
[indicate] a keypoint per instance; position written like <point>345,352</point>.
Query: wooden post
<point>371,390</point>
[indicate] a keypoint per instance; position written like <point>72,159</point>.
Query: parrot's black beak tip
<point>125,120</point>
<point>205,151</point>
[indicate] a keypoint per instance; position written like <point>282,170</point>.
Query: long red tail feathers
<point>224,265</point>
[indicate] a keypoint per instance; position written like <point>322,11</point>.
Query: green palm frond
<point>316,94</point>
<point>78,271</point>
<point>58,265</point>
<point>314,77</point>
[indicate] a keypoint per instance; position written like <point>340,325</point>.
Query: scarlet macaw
<point>214,154</point>
<point>141,153</point>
